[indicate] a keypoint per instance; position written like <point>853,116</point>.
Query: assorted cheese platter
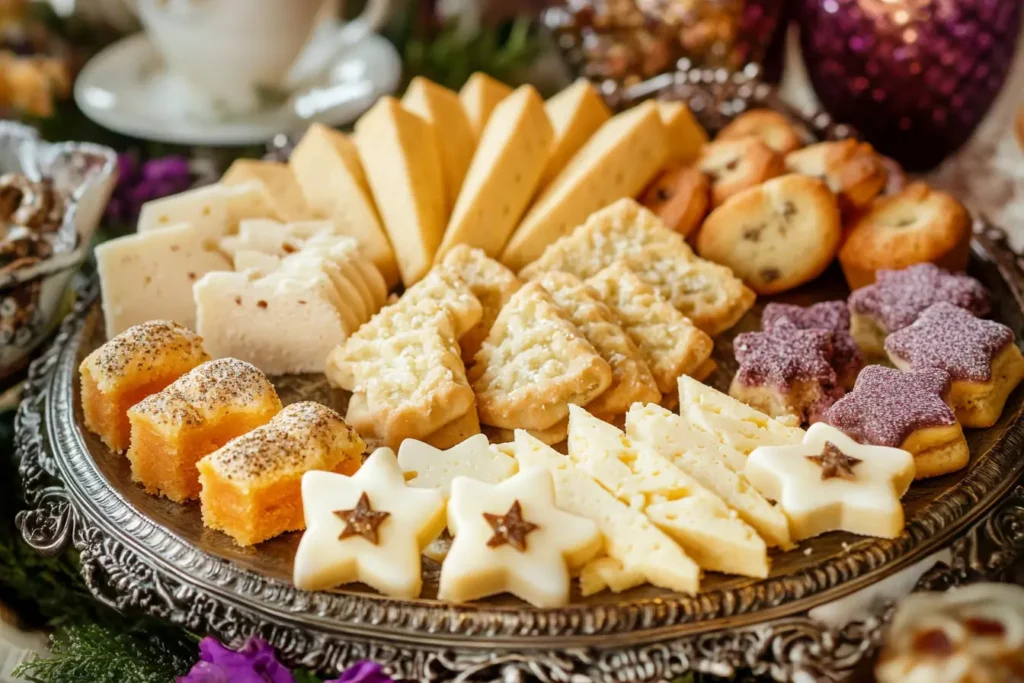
<point>573,388</point>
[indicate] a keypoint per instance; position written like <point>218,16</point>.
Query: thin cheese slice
<point>619,161</point>
<point>149,276</point>
<point>712,534</point>
<point>629,536</point>
<point>576,113</point>
<point>442,108</point>
<point>718,467</point>
<point>732,422</point>
<point>686,138</point>
<point>504,174</point>
<point>214,210</point>
<point>479,96</point>
<point>280,188</point>
<point>399,151</point>
<point>327,167</point>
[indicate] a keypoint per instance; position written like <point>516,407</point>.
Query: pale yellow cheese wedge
<point>280,187</point>
<point>399,151</point>
<point>629,536</point>
<point>479,96</point>
<point>712,534</point>
<point>618,161</point>
<point>685,136</point>
<point>443,109</point>
<point>575,113</point>
<point>504,174</point>
<point>328,170</point>
<point>214,210</point>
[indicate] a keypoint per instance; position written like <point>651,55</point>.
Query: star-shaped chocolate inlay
<point>898,297</point>
<point>784,356</point>
<point>834,463</point>
<point>949,338</point>
<point>510,528</point>
<point>887,405</point>
<point>362,520</point>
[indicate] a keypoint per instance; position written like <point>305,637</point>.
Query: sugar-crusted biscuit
<point>140,361</point>
<point>456,431</point>
<point>771,127</point>
<point>680,196</point>
<point>632,380</point>
<point>737,165</point>
<point>533,364</point>
<point>981,357</point>
<point>777,236</point>
<point>250,486</point>
<point>707,293</point>
<point>831,316</point>
<point>489,281</point>
<point>555,434</point>
<point>916,225</point>
<point>671,343</point>
<point>852,170</point>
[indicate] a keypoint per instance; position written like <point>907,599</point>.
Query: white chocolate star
<point>482,563</point>
<point>333,551</point>
<point>432,468</point>
<point>863,497</point>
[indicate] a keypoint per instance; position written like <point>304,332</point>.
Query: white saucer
<point>127,88</point>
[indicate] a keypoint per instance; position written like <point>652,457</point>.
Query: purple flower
<point>362,672</point>
<point>139,183</point>
<point>254,663</point>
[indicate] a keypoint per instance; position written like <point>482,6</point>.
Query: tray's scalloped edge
<point>130,562</point>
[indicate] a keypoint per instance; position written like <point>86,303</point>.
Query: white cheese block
<point>503,176</point>
<point>149,276</point>
<point>630,537</point>
<point>279,324</point>
<point>256,262</point>
<point>428,467</point>
<point>733,422</point>
<point>273,237</point>
<point>716,466</point>
<point>327,275</point>
<point>712,534</point>
<point>214,210</point>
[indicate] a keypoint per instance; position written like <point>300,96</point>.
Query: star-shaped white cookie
<point>832,483</point>
<point>370,527</point>
<point>433,468</point>
<point>510,538</point>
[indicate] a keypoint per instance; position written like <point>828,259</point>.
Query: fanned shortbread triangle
<point>534,364</point>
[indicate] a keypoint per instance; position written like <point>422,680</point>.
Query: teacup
<point>238,53</point>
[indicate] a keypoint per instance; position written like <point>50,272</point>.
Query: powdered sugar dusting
<point>898,297</point>
<point>886,406</point>
<point>784,357</point>
<point>951,339</point>
<point>833,316</point>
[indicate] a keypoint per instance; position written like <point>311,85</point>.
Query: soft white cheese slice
<point>214,210</point>
<point>273,237</point>
<point>149,276</point>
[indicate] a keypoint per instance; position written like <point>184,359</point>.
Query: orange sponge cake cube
<point>194,416</point>
<point>251,488</point>
<point>140,361</point>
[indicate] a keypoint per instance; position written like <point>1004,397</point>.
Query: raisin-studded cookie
<point>786,372</point>
<point>852,170</point>
<point>776,236</point>
<point>770,126</point>
<point>979,355</point>
<point>680,197</point>
<point>831,316</point>
<point>916,225</point>
<point>898,296</point>
<point>736,165</point>
<point>905,410</point>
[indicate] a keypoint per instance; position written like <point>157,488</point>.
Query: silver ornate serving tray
<point>147,553</point>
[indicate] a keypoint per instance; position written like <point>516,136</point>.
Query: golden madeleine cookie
<point>776,236</point>
<point>737,165</point>
<point>680,197</point>
<point>916,225</point>
<point>773,128</point>
<point>852,170</point>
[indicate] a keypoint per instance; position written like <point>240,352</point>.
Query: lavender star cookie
<point>906,410</point>
<point>898,297</point>
<point>832,316</point>
<point>980,356</point>
<point>786,372</point>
